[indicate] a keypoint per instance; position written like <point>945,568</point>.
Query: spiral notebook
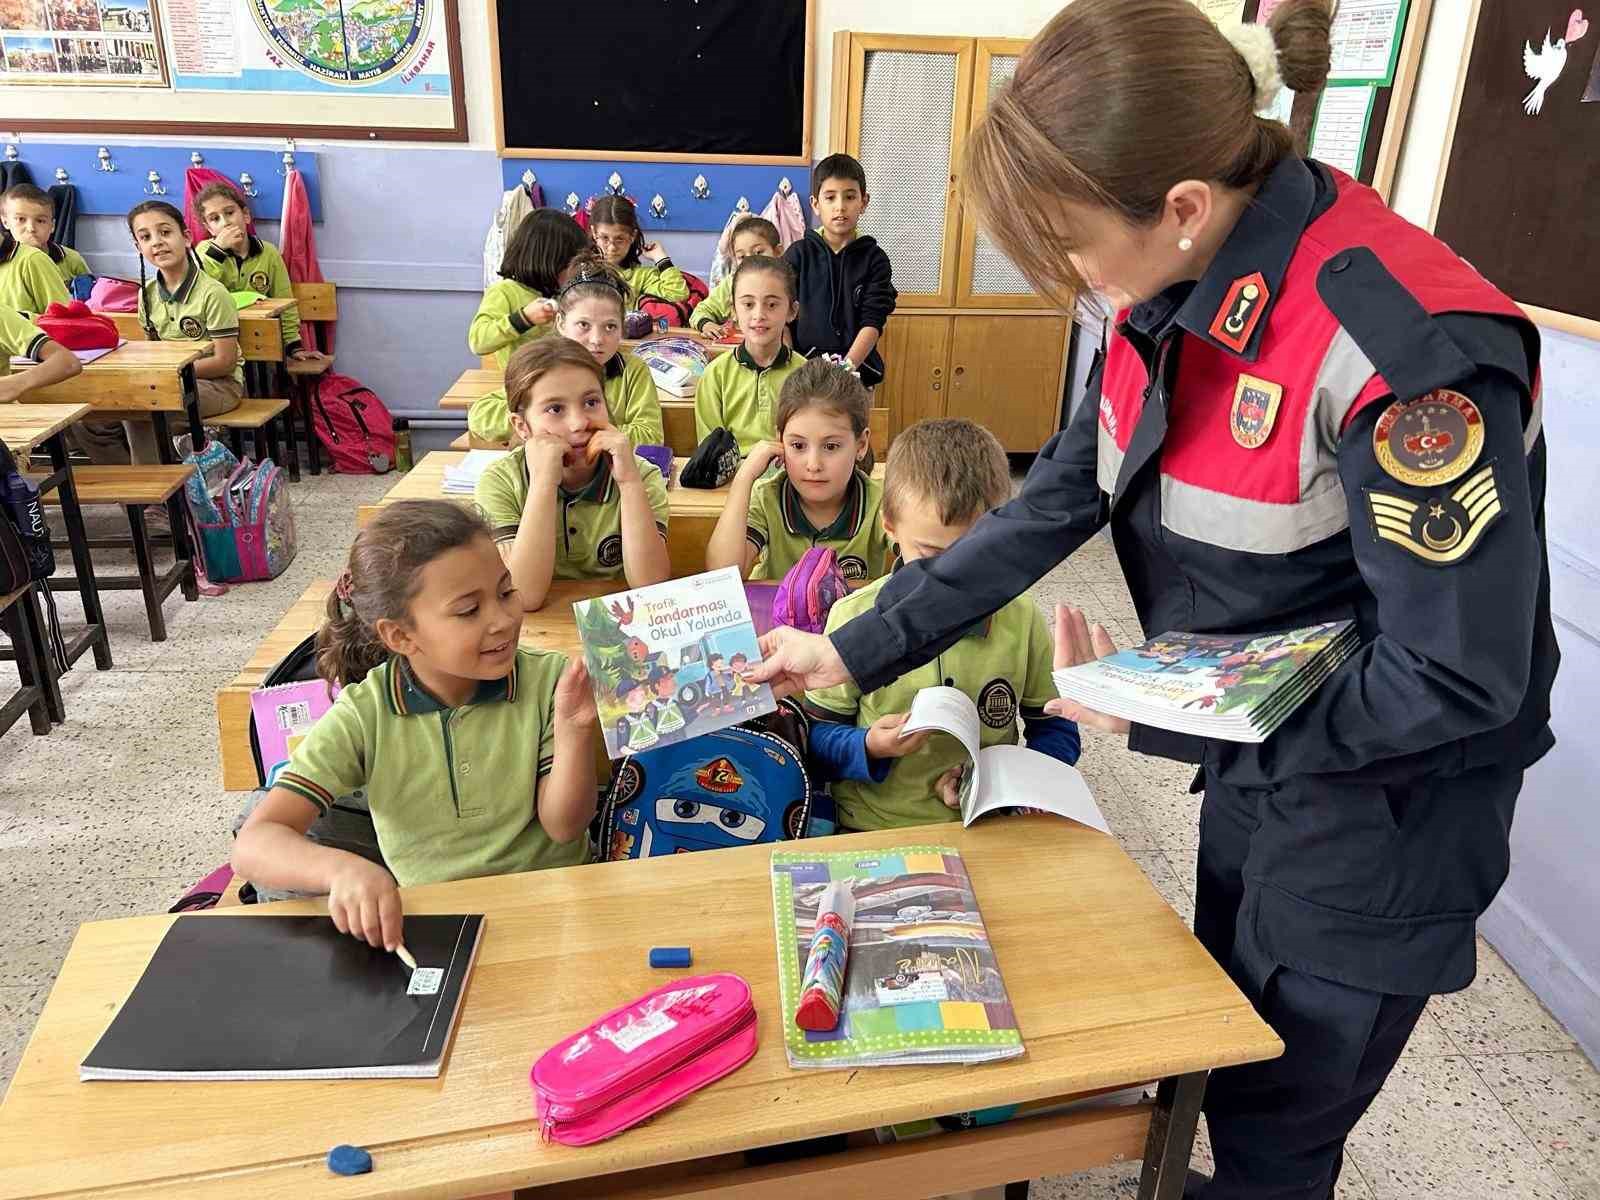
<point>289,998</point>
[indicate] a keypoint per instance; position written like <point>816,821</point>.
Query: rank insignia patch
<point>1241,312</point>
<point>1443,529</point>
<point>1430,440</point>
<point>1255,410</point>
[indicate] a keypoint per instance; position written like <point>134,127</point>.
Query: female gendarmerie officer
<point>1309,410</point>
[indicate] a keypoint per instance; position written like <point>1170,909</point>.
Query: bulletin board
<point>1516,197</point>
<point>372,69</point>
<point>1371,104</point>
<point>706,81</point>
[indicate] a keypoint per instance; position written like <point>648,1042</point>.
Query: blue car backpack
<point>739,786</point>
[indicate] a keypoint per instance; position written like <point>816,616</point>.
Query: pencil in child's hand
<point>405,956</point>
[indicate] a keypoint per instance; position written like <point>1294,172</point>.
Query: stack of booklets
<point>1236,688</point>
<point>921,981</point>
<point>462,479</point>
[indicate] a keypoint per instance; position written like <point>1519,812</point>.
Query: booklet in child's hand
<point>1002,776</point>
<point>665,660</point>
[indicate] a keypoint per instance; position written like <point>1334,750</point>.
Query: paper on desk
<point>462,479</point>
<point>83,356</point>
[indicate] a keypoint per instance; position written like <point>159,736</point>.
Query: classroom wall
<point>1543,921</point>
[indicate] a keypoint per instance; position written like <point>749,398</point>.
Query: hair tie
<point>843,363</point>
<point>342,589</point>
<point>1259,50</point>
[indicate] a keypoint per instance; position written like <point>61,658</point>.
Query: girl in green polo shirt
<point>476,756</point>
<point>520,306</point>
<point>590,311</point>
<point>644,265</point>
<point>739,390</point>
<point>823,496</point>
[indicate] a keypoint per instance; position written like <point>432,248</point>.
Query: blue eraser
<point>670,956</point>
<point>349,1160</point>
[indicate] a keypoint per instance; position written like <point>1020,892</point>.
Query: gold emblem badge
<point>1429,441</point>
<point>190,327</point>
<point>1255,410</point>
<point>1442,529</point>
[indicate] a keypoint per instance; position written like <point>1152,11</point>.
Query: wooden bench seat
<point>135,489</point>
<point>257,415</point>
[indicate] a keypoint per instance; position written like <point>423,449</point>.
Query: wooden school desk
<point>25,427</point>
<point>551,628</point>
<point>1109,989</point>
<point>692,512</point>
<point>138,380</point>
<point>260,331</point>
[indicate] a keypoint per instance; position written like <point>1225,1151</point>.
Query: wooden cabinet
<point>1002,370</point>
<point>970,337</point>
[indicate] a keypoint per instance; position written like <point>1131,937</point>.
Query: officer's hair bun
<point>1302,34</point>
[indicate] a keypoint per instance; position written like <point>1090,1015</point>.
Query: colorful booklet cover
<point>665,660</point>
<point>921,982</point>
<point>1232,687</point>
<point>284,715</point>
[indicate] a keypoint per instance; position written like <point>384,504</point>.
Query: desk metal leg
<point>78,542</point>
<point>1172,1126</point>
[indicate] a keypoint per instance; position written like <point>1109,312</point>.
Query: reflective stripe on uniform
<point>1108,460</point>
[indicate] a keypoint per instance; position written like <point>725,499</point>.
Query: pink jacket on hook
<point>194,179</point>
<point>299,248</point>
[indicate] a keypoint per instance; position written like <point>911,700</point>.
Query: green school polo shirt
<point>71,265</point>
<point>632,403</point>
<point>1003,665</point>
<point>778,527</point>
<point>717,307</point>
<point>588,522</point>
<point>498,328</point>
<point>737,394</point>
<point>21,337</point>
<point>29,281</point>
<point>200,308</point>
<point>262,269</point>
<point>663,279</point>
<point>454,791</point>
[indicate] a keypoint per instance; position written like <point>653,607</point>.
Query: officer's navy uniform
<point>1340,420</point>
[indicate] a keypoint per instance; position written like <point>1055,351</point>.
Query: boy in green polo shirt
<point>942,476</point>
<point>476,756</point>
<point>713,316</point>
<point>31,219</point>
<point>572,501</point>
<point>823,496</point>
<point>242,262</point>
<point>739,391</point>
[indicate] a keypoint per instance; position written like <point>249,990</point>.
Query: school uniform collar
<point>1245,279</point>
<point>252,248</point>
<point>742,357</point>
<point>615,366</point>
<point>184,288</point>
<point>408,698</point>
<point>845,526</point>
<point>979,628</point>
<point>597,490</point>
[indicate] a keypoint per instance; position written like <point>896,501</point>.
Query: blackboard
<point>1517,194</point>
<point>707,80</point>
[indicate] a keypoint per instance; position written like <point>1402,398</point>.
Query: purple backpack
<point>809,590</point>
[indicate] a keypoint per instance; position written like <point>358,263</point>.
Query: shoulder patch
<point>1428,441</point>
<point>1255,410</point>
<point>1444,528</point>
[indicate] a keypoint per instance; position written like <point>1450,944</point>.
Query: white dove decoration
<point>1545,65</point>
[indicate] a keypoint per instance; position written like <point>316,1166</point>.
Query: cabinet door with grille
<point>910,100</point>
<point>986,278</point>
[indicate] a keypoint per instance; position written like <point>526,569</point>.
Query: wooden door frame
<point>853,79</point>
<point>985,52</point>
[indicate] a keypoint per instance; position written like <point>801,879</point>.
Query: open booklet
<point>1002,776</point>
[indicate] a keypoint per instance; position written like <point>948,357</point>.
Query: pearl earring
<point>1186,244</point>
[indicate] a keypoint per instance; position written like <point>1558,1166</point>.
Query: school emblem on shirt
<point>1241,311</point>
<point>1255,410</point>
<point>719,776</point>
<point>997,704</point>
<point>853,568</point>
<point>609,552</point>
<point>258,281</point>
<point>190,327</point>
<point>1444,528</point>
<point>1429,441</point>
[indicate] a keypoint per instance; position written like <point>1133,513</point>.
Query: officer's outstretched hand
<point>1079,642</point>
<point>794,662</point>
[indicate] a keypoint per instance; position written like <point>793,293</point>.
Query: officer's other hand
<point>1079,642</point>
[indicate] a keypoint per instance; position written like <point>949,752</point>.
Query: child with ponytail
<point>476,755</point>
<point>645,267</point>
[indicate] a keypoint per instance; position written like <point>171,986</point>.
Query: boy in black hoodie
<point>846,290</point>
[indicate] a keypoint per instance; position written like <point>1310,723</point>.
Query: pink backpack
<point>643,1057</point>
<point>354,427</point>
<point>114,295</point>
<point>808,591</point>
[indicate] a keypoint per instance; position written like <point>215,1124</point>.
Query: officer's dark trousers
<point>1278,1128</point>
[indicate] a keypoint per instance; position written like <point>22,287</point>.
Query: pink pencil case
<point>643,1057</point>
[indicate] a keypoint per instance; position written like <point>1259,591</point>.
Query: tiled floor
<point>118,811</point>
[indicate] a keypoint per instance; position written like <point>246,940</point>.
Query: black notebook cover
<point>287,998</point>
